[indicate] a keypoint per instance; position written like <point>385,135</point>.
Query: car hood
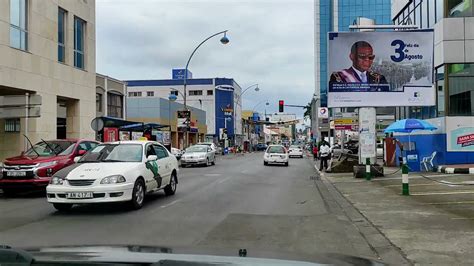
<point>180,256</point>
<point>94,170</point>
<point>22,159</point>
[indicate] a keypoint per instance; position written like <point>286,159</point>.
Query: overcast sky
<point>271,43</point>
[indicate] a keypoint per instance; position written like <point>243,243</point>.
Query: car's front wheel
<point>286,164</point>
<point>138,194</point>
<point>62,207</point>
<point>170,189</point>
<point>265,163</point>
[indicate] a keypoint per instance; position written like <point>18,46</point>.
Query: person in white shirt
<point>324,153</point>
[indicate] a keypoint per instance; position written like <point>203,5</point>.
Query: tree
<point>307,112</point>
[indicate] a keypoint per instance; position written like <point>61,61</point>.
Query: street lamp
<point>224,40</point>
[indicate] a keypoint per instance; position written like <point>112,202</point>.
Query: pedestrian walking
<point>315,152</point>
<point>324,152</point>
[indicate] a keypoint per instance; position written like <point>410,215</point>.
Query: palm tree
<point>307,112</point>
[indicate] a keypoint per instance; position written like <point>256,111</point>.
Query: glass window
<point>114,153</point>
<point>439,9</point>
<point>440,92</point>
<point>12,125</point>
<point>79,34</point>
<point>114,105</point>
<point>424,14</point>
<point>174,93</point>
<point>19,24</point>
<point>460,89</point>
<point>98,102</point>
<point>210,92</point>
<point>50,148</point>
<point>160,152</point>
<point>195,92</point>
<point>150,93</point>
<point>459,8</point>
<point>62,15</point>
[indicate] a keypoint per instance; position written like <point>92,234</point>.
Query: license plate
<point>79,195</point>
<point>16,173</point>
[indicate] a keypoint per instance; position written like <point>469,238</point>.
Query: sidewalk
<point>435,225</point>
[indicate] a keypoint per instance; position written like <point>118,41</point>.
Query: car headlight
<point>113,179</point>
<point>202,156</point>
<point>56,180</point>
<point>47,164</point>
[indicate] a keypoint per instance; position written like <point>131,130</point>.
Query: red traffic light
<point>281,104</point>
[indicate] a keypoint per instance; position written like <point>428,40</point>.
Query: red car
<point>35,167</point>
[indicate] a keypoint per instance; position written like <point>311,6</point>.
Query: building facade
<point>163,112</point>
<point>110,97</point>
<point>47,48</point>
<point>218,97</point>
<point>338,15</point>
<point>453,24</point>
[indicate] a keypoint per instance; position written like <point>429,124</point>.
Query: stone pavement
<point>434,225</point>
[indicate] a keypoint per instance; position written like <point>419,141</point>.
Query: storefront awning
<point>142,127</point>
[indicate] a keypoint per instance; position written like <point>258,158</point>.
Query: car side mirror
<point>81,152</point>
<point>152,158</point>
<point>77,158</point>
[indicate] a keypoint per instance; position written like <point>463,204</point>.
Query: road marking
<point>212,174</point>
<point>223,180</point>
<point>450,202</point>
<point>442,193</point>
<point>171,203</point>
<point>462,218</point>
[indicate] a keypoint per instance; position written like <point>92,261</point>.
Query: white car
<point>275,154</point>
<point>198,155</point>
<point>177,152</point>
<point>123,171</point>
<point>210,144</point>
<point>295,151</point>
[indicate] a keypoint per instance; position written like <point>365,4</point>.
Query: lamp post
<point>224,40</point>
<point>239,100</point>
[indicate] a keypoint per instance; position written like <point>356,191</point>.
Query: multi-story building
<point>453,24</point>
<point>47,48</point>
<point>218,97</point>
<point>110,97</point>
<point>338,15</point>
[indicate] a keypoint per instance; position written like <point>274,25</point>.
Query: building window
<point>114,105</point>
<point>79,27</point>
<point>195,92</point>
<point>460,90</point>
<point>210,92</point>
<point>19,24</point>
<point>174,93</point>
<point>150,93</point>
<point>98,102</point>
<point>440,91</point>
<point>62,15</point>
<point>12,125</point>
<point>135,94</point>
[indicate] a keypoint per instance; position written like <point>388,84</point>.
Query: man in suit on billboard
<point>362,57</point>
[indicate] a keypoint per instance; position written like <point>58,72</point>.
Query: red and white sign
<point>323,112</point>
<point>466,140</point>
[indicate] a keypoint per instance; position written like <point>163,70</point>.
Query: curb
<point>452,170</point>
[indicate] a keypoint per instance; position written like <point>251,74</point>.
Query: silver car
<point>198,155</point>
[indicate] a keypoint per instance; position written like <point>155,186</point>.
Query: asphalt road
<point>239,203</point>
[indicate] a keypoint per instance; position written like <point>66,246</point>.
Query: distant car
<point>198,155</point>
<point>34,168</point>
<point>295,151</point>
<point>275,154</point>
<point>177,153</point>
<point>123,171</point>
<point>261,147</point>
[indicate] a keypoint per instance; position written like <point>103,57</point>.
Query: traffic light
<point>281,105</point>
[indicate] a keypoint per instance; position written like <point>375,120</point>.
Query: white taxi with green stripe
<point>123,171</point>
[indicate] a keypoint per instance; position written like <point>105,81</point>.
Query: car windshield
<point>200,148</point>
<point>114,153</point>
<point>276,149</point>
<point>51,148</point>
<point>294,147</point>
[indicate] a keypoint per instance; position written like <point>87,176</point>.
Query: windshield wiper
<point>112,160</point>
<point>32,147</point>
<point>51,148</point>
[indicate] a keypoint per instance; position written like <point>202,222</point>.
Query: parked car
<point>198,155</point>
<point>295,151</point>
<point>275,154</point>
<point>35,167</point>
<point>122,171</point>
<point>210,144</point>
<point>177,153</point>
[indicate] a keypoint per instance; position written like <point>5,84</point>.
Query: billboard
<point>460,134</point>
<point>378,69</point>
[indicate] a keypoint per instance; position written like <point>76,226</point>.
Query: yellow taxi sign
<point>143,138</point>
